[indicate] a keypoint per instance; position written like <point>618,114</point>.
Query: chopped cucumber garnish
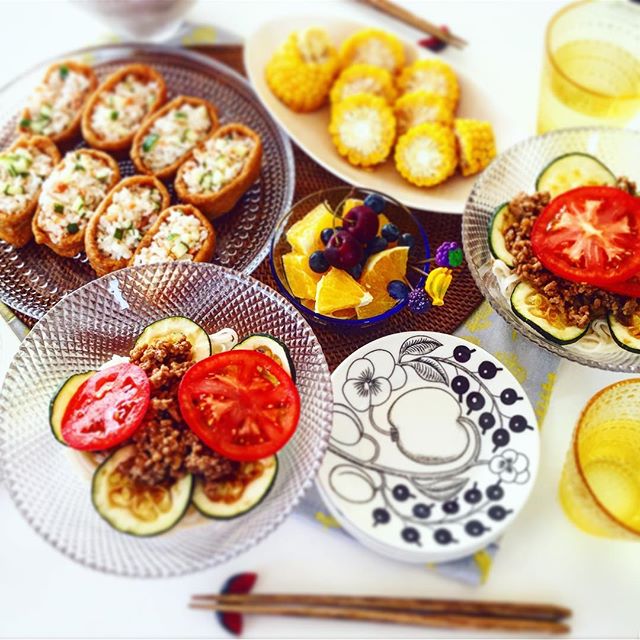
<point>149,142</point>
<point>73,227</point>
<point>58,208</point>
<point>64,71</point>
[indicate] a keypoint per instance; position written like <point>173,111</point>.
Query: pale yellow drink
<point>591,69</point>
<point>600,485</point>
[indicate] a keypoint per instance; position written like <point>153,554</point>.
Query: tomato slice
<point>107,408</point>
<point>240,403</point>
<point>590,235</point>
<point>629,288</point>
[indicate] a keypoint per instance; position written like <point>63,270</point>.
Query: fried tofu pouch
<point>120,104</point>
<point>23,168</point>
<point>220,169</point>
<point>121,221</point>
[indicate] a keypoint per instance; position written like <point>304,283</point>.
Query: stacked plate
<point>434,447</point>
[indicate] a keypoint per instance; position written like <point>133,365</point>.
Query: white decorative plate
<point>434,447</point>
<point>309,130</point>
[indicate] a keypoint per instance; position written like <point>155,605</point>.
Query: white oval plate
<point>309,130</point>
<point>434,447</point>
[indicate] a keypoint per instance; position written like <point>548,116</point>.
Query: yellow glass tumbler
<point>600,485</point>
<point>591,68</point>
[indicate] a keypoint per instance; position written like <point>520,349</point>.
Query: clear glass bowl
<point>394,210</point>
<point>47,481</point>
<point>34,278</point>
<point>516,170</point>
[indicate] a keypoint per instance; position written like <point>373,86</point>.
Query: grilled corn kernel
<point>419,107</point>
<point>301,71</point>
<point>375,47</point>
<point>426,154</point>
<point>363,129</point>
<point>432,76</point>
<point>363,78</point>
<point>476,145</point>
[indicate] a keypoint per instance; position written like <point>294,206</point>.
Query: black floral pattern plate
<point>434,447</point>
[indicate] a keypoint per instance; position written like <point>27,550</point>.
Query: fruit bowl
<point>396,214</point>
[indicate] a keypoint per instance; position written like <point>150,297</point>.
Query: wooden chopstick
<point>417,605</point>
<point>459,621</point>
<point>402,14</point>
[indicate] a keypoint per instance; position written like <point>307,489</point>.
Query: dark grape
<point>500,438</point>
<point>462,353</point>
<point>421,511</point>
<point>443,536</point>
<point>411,535</point>
<point>380,516</point>
<point>473,495</point>
<point>518,424</point>
<point>509,396</point>
<point>451,506</point>
<point>486,421</point>
<point>401,493</point>
<point>475,401</point>
<point>488,370</point>
<point>475,528</point>
<point>498,512</point>
<point>460,385</point>
<point>495,492</point>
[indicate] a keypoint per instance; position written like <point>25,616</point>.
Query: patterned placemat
<point>462,298</point>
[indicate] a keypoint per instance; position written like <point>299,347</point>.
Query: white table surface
<point>542,558</point>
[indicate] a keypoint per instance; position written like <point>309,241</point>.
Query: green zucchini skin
<point>123,521</point>
<point>224,511</point>
<point>565,336</point>
<point>256,340</point>
<point>497,245</point>
<point>60,401</point>
<point>588,164</point>
<point>619,333</point>
<point>196,335</point>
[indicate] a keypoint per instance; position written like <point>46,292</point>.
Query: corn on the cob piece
<point>375,47</point>
<point>419,107</point>
<point>363,129</point>
<point>363,78</point>
<point>476,145</point>
<point>301,71</point>
<point>426,154</point>
<point>432,76</point>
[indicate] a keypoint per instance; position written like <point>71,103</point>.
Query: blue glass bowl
<point>397,213</point>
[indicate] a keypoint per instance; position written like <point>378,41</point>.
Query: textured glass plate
<point>516,170</point>
<point>34,278</point>
<point>45,479</point>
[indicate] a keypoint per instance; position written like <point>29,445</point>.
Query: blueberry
<point>375,202</point>
<point>380,516</point>
<point>325,235</point>
<point>421,510</point>
<point>377,245</point>
<point>356,271</point>
<point>398,290</point>
<point>390,232</point>
<point>318,262</point>
<point>406,240</point>
<point>462,353</point>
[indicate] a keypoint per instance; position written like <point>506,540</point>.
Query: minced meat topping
<point>578,303</point>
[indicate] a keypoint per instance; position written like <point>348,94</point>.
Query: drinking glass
<point>591,68</point>
<point>600,485</point>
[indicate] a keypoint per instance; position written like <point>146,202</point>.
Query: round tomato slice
<point>107,408</point>
<point>242,404</point>
<point>590,235</point>
<point>629,288</point>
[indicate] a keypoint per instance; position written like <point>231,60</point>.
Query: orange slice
<point>304,235</point>
<point>337,291</point>
<point>301,279</point>
<point>381,268</point>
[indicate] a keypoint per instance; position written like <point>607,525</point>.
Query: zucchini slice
<point>270,346</point>
<point>138,512</point>
<point>254,493</point>
<point>573,170</point>
<point>529,306</point>
<point>496,238</point>
<point>60,401</point>
<point>626,337</point>
<point>194,333</point>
